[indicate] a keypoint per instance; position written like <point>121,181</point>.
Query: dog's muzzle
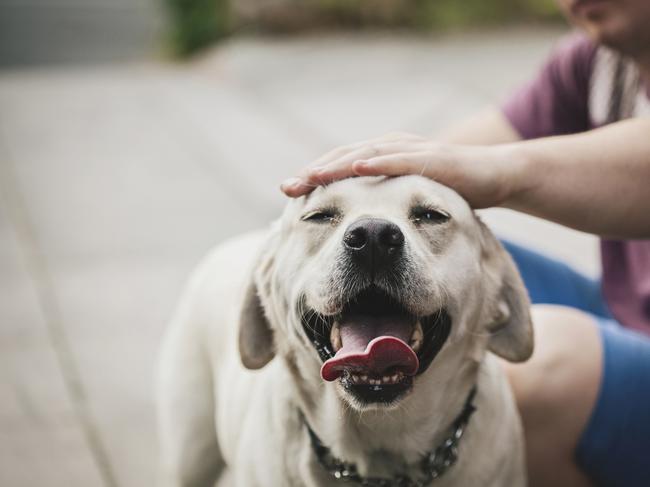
<point>375,345</point>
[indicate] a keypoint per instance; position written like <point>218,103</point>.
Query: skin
<point>553,178</point>
<point>619,24</point>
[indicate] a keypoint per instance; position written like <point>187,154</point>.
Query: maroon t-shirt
<point>560,100</point>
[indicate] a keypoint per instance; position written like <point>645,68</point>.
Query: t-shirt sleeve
<point>556,102</point>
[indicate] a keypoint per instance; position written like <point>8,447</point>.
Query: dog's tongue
<point>373,346</point>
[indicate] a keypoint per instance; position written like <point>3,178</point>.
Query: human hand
<point>483,175</point>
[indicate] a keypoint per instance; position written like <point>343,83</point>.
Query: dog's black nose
<point>373,243</point>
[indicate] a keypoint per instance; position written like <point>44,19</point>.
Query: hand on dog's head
<point>409,241</point>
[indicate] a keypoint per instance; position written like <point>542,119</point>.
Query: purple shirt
<point>560,100</point>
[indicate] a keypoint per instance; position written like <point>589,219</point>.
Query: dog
<point>354,343</point>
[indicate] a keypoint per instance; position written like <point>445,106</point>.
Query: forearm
<point>487,127</point>
<point>597,182</point>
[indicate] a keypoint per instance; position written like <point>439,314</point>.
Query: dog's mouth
<point>375,346</point>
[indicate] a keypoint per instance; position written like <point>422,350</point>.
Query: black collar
<point>433,465</point>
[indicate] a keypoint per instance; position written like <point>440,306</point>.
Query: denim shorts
<point>614,449</point>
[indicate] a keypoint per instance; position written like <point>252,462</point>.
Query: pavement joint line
<point>294,124</point>
<point>42,282</point>
<point>203,154</point>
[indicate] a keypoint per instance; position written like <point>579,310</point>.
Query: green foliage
<point>443,14</point>
<point>197,23</point>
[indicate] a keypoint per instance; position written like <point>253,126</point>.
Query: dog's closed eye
<point>425,214</point>
<point>323,215</point>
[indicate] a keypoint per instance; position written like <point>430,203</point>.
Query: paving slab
<point>129,174</point>
<point>347,87</point>
<point>42,441</point>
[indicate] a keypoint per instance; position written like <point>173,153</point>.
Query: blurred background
<point>136,134</point>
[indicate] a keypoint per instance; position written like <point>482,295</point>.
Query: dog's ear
<point>256,342</point>
<point>255,334</point>
<point>509,321</point>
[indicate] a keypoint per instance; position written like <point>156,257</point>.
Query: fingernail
<point>290,182</point>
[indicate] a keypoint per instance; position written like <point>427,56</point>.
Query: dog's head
<point>367,280</point>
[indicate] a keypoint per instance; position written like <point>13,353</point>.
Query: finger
<point>398,164</point>
<point>307,178</point>
<point>342,168</point>
<point>340,152</point>
<point>309,174</point>
<point>296,187</point>
<point>336,164</point>
<point>335,154</point>
<point>311,178</point>
<point>339,168</point>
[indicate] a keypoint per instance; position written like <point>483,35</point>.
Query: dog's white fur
<point>219,419</point>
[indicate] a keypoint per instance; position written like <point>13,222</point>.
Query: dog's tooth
<point>417,337</point>
<point>364,378</point>
<point>335,337</point>
<point>394,377</point>
<point>385,378</point>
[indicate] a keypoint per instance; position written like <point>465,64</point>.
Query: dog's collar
<point>432,466</point>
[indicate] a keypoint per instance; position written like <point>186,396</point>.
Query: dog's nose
<point>373,242</point>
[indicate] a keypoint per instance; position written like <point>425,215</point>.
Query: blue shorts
<point>614,449</point>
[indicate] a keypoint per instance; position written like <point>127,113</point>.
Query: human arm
<point>596,181</point>
<point>487,127</point>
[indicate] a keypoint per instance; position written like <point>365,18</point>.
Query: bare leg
<point>556,391</point>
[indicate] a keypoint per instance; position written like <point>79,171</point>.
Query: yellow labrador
<point>351,345</point>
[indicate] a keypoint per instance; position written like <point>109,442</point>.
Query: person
<point>573,147</point>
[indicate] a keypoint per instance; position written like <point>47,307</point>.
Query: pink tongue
<point>373,346</point>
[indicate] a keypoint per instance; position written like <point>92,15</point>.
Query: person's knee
<point>565,366</point>
<point>556,391</point>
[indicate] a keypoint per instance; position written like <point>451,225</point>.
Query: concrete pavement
<point>115,180</point>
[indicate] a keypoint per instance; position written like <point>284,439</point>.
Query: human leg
<point>584,398</point>
<point>555,391</point>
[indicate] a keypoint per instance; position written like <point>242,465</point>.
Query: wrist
<point>512,165</point>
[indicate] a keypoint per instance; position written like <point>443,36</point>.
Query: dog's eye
<point>428,215</point>
<point>320,216</point>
